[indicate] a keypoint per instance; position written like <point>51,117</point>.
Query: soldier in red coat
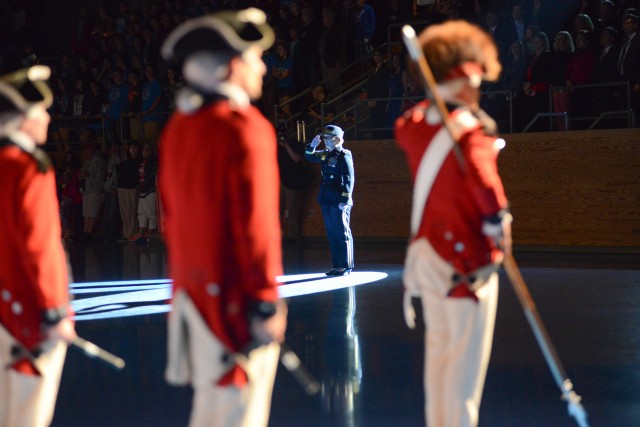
<point>34,303</point>
<point>460,222</point>
<point>220,186</point>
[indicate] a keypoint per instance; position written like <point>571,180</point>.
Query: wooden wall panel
<point>382,194</point>
<point>578,188</point>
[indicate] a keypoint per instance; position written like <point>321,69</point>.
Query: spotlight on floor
<point>108,300</point>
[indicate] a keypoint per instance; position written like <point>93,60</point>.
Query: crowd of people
<point>548,52</point>
<point>113,67</point>
<point>113,199</point>
<point>544,62</point>
<point>113,74</point>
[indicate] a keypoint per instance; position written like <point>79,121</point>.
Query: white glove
<point>316,141</point>
<point>409,311</point>
<point>342,206</point>
<point>411,281</point>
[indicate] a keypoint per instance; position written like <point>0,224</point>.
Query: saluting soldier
<point>336,195</point>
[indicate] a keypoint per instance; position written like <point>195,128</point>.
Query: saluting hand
<point>316,141</point>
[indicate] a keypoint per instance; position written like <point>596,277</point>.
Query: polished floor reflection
<point>350,334</point>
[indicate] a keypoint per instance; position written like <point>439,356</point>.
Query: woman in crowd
<point>580,70</point>
<point>562,50</point>
<point>536,87</point>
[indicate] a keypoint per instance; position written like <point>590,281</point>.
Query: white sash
<point>430,165</point>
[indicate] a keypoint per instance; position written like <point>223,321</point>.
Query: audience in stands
<point>331,50</point>
<point>319,114</point>
<point>112,69</point>
<point>364,19</point>
<point>377,88</point>
<point>283,73</point>
<point>309,33</point>
<point>396,88</point>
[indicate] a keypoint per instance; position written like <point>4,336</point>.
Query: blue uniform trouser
<point>336,224</point>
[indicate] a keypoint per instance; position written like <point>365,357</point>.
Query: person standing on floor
<point>460,223</point>
<point>335,196</point>
<point>294,180</point>
<point>219,181</point>
<point>111,217</point>
<point>128,180</point>
<point>93,175</point>
<point>147,199</point>
<point>35,322</point>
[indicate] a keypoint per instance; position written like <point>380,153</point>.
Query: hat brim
<point>231,32</point>
<point>27,87</point>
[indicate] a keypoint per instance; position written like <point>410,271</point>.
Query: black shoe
<point>142,241</point>
<point>332,272</point>
<point>342,272</point>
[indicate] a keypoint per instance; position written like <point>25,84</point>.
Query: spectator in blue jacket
<point>365,20</point>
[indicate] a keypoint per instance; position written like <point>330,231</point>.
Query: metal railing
<point>376,128</point>
<point>539,116</point>
<point>359,119</point>
<point>66,126</point>
<point>417,25</point>
<point>595,120</point>
<point>68,130</point>
<point>301,95</point>
<point>126,118</point>
<point>629,114</point>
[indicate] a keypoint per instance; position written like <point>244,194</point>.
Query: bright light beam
<point>144,297</point>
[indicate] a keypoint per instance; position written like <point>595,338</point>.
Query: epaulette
<point>41,158</point>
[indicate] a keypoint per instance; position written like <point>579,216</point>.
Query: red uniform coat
<point>219,179</point>
<point>33,267</point>
<point>460,200</point>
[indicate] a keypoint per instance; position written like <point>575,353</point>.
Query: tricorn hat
<point>22,89</point>
<point>230,31</point>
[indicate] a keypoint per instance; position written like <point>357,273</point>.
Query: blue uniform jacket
<point>338,177</point>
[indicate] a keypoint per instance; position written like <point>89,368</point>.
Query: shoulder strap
<point>432,161</point>
<point>430,165</point>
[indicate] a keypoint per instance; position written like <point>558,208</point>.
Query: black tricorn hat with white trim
<point>230,31</point>
<point>23,89</point>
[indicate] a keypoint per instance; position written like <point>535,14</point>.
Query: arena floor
<point>350,334</point>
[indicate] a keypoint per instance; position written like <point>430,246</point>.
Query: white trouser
<point>458,338</point>
<point>148,212</point>
<point>29,400</point>
<point>196,357</point>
